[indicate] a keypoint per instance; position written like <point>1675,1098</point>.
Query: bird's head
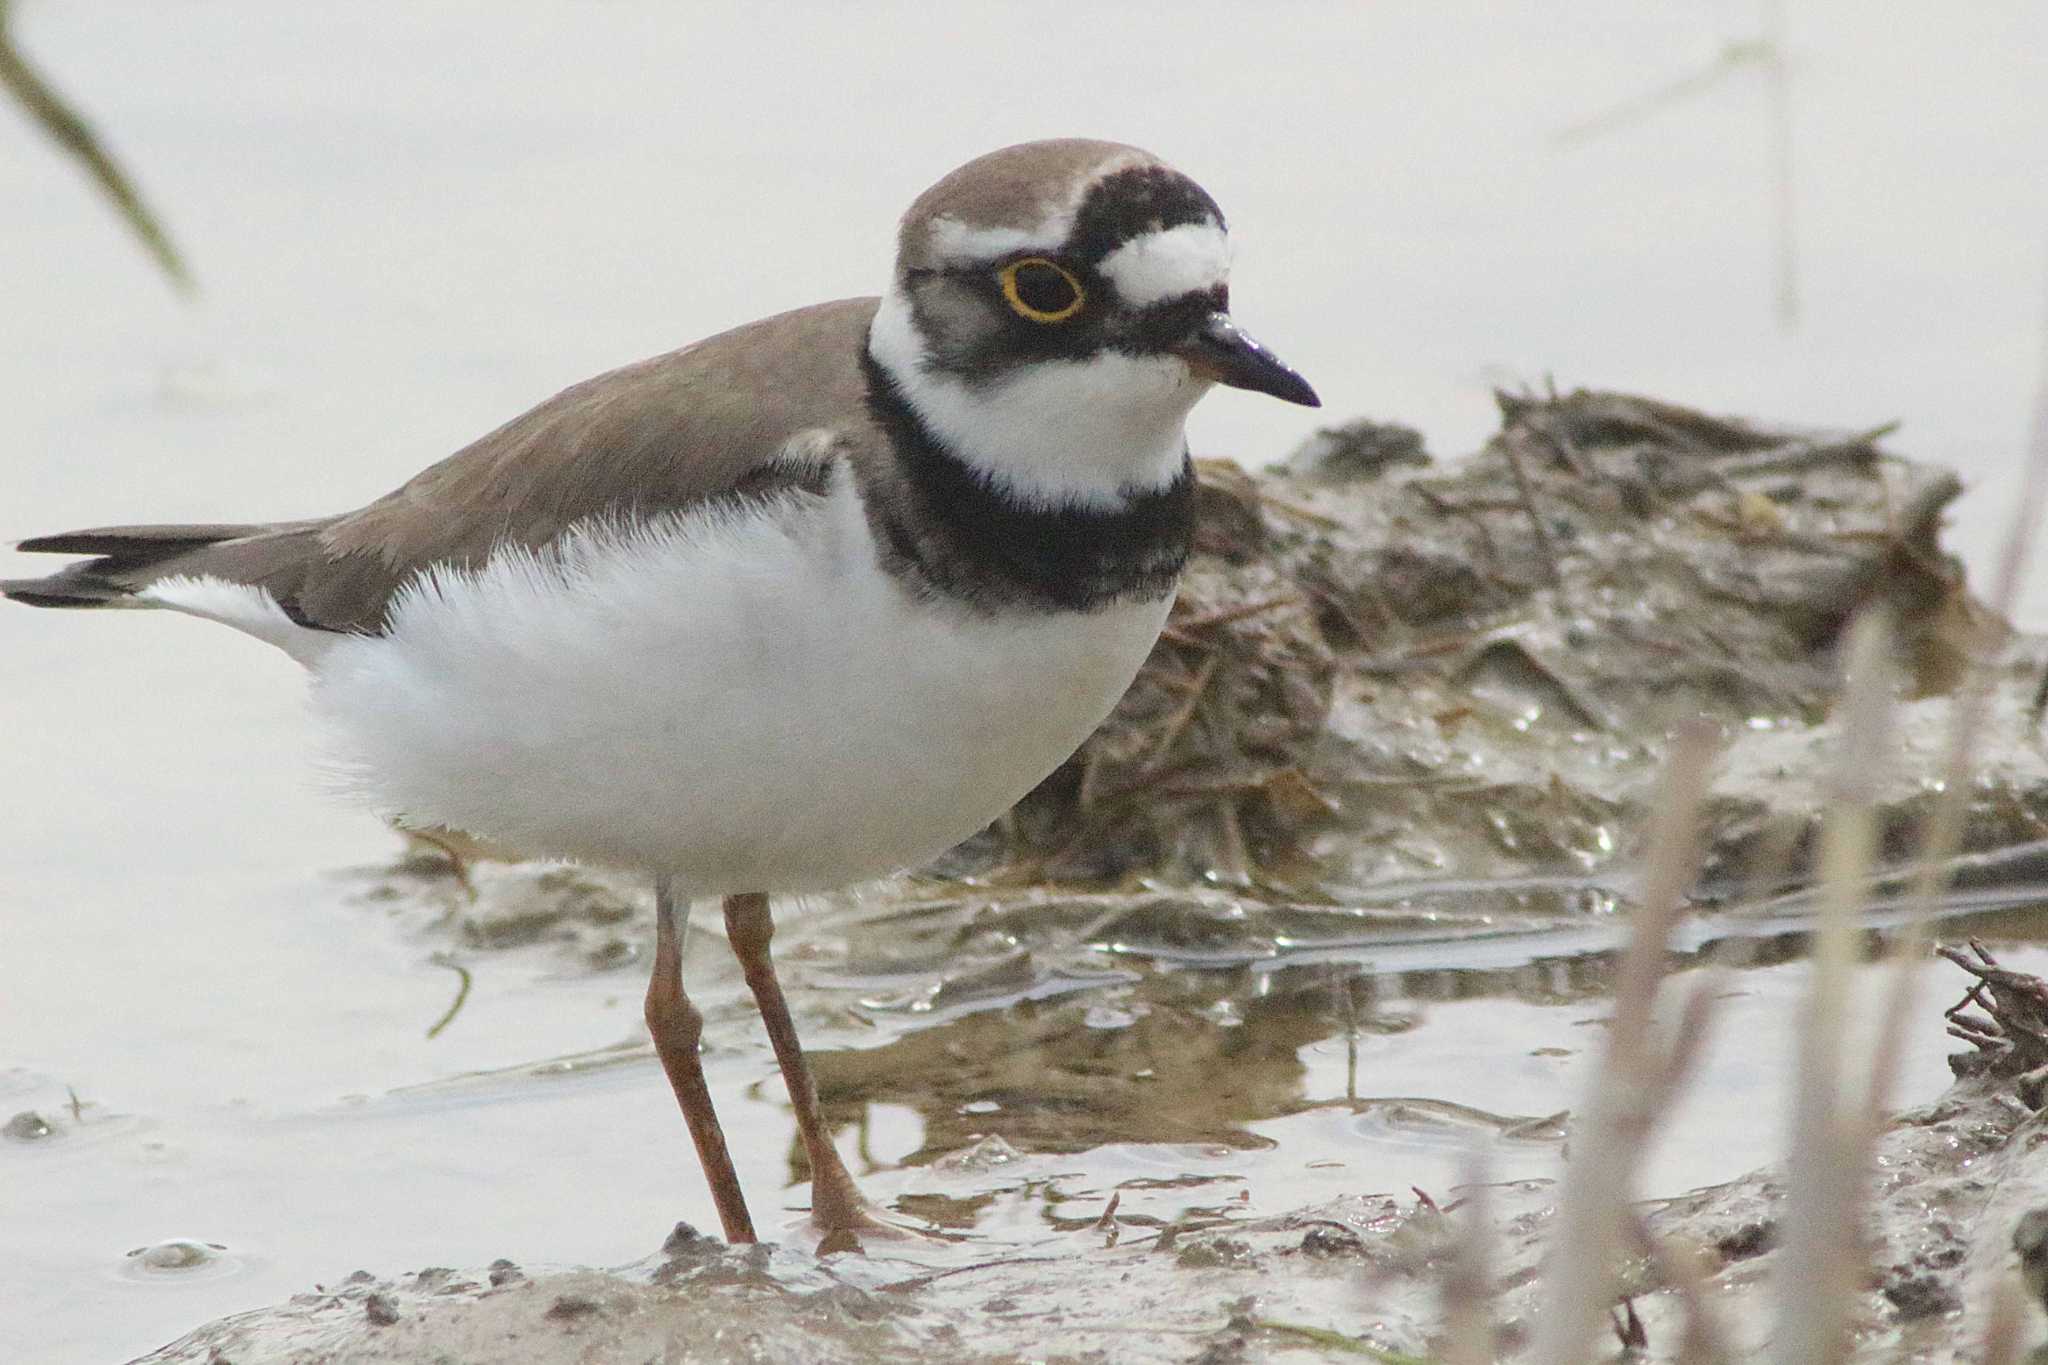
<point>1057,308</point>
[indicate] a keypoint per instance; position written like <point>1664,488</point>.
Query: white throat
<point>1056,433</point>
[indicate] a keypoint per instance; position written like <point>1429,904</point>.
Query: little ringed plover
<point>796,606</point>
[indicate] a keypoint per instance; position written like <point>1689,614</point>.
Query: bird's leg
<point>677,1027</point>
<point>836,1205</point>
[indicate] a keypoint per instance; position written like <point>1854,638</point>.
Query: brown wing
<point>660,436</point>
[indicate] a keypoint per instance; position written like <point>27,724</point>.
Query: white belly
<point>746,702</point>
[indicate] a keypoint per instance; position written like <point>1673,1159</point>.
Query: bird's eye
<point>1042,291</point>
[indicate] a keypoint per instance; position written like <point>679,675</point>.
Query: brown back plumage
<point>659,436</point>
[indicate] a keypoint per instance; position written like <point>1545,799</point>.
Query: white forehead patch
<point>1189,259</point>
<point>956,243</point>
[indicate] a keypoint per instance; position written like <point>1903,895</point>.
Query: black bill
<point>1221,351</point>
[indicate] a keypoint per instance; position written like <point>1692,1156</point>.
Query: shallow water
<point>408,226</point>
<point>295,1122</point>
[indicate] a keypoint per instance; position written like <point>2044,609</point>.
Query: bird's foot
<point>847,1222</point>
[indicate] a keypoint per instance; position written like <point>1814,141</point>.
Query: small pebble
<point>2030,1240</point>
<point>1921,1296</point>
<point>572,1306</point>
<point>1212,1253</point>
<point>1323,1240</point>
<point>27,1126</point>
<point>683,1237</point>
<point>177,1254</point>
<point>986,1155</point>
<point>1753,1238</point>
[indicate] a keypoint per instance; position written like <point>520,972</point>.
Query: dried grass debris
<point>1490,650</point>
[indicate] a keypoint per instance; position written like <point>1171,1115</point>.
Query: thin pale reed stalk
<point>61,122</point>
<point>1943,834</point>
<point>1825,1177</point>
<point>1468,1281</point>
<point>1833,1150</point>
<point>1688,1270</point>
<point>1637,1076</point>
<point>2005,1327</point>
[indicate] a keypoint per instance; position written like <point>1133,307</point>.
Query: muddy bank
<point>1383,669</point>
<point>1388,1277</point>
<point>1397,745</point>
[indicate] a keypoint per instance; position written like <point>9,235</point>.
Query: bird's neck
<point>942,516</point>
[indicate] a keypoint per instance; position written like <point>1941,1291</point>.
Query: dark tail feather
<point>136,544</point>
<point>62,590</point>
<point>125,557</point>
<point>90,584</point>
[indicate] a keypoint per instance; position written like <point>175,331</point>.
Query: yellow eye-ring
<point>1042,290</point>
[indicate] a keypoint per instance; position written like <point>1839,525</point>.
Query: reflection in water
<point>1053,1076</point>
<point>1078,1024</point>
<point>1058,1024</point>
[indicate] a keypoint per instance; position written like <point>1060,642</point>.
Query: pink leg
<point>836,1205</point>
<point>677,1028</point>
